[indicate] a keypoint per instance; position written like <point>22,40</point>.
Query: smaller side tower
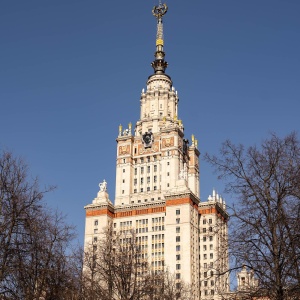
<point>246,280</point>
<point>213,247</point>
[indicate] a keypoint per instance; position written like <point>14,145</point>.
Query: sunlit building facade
<point>158,192</point>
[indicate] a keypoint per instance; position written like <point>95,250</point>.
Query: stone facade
<point>158,193</point>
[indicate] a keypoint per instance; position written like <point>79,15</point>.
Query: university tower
<point>158,193</point>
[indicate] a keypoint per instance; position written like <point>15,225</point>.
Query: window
<point>122,191</point>
<point>115,225</point>
<point>210,229</point>
<point>135,181</point>
<point>205,283</point>
<point>96,222</point>
<point>178,285</point>
<point>178,248</point>
<point>210,238</point>
<point>96,230</point>
<point>148,158</point>
<point>155,168</point>
<point>177,239</point>
<point>148,169</point>
<point>177,266</point>
<point>177,211</point>
<point>210,221</point>
<point>155,188</point>
<point>204,256</point>
<point>211,256</point>
<point>212,292</point>
<point>177,256</point>
<point>205,265</point>
<point>135,171</point>
<point>177,229</point>
<point>124,160</point>
<point>210,247</point>
<point>204,239</point>
<point>204,221</point>
<point>204,247</point>
<point>148,179</point>
<point>177,220</point>
<point>135,191</point>
<point>177,275</point>
<point>212,283</point>
<point>142,180</point>
<point>142,190</point>
<point>205,274</point>
<point>123,170</point>
<point>155,178</point>
<point>168,173</point>
<point>142,160</point>
<point>148,189</point>
<point>95,239</point>
<point>142,170</point>
<point>204,230</point>
<point>168,184</point>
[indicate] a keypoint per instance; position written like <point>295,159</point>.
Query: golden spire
<point>159,65</point>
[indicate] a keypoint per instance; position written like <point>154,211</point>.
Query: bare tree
<point>265,235</point>
<point>116,268</point>
<point>33,240</point>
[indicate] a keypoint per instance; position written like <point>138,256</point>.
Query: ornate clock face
<point>147,139</point>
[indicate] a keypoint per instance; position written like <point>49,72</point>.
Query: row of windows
<point>205,283</point>
<point>141,222</point>
<point>211,256</point>
<point>158,228</point>
<point>157,263</point>
<point>147,159</point>
<point>148,180</point>
<point>211,264</point>
<point>157,254</point>
<point>146,200</point>
<point>158,246</point>
<point>143,169</point>
<point>212,292</point>
<point>205,247</point>
<point>158,237</point>
<point>141,239</point>
<point>209,221</point>
<point>205,274</point>
<point>142,190</point>
<point>209,229</point>
<point>141,230</point>
<point>158,220</point>
<point>210,238</point>
<point>124,224</point>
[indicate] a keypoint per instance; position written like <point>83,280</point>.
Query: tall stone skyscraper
<point>158,193</point>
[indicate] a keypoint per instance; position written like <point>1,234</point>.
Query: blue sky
<point>72,71</point>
